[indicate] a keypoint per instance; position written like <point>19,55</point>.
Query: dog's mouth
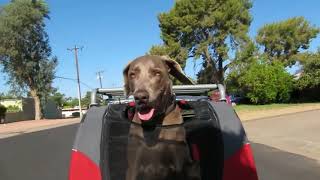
<point>145,113</point>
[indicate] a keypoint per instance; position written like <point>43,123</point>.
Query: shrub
<point>3,111</point>
<point>266,83</point>
<point>307,86</point>
<point>310,76</point>
<point>13,108</point>
<point>306,95</point>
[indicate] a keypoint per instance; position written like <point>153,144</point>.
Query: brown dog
<point>157,147</point>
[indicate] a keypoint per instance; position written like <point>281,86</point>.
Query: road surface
<point>298,133</point>
<point>44,155</point>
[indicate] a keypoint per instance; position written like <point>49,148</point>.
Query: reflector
<point>241,165</point>
<point>82,168</point>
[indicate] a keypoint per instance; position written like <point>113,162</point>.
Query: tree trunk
<point>220,70</point>
<point>37,105</point>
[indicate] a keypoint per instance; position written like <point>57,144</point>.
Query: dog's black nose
<point>141,96</point>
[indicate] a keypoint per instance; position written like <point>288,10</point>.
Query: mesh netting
<point>202,132</point>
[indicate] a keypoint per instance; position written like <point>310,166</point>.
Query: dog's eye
<point>156,73</point>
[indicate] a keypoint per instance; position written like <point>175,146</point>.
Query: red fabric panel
<point>82,168</point>
<point>241,165</point>
<point>195,152</point>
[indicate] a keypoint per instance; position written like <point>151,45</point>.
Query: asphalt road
<point>45,155</point>
<point>42,155</point>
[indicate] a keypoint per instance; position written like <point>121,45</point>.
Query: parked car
<point>236,99</point>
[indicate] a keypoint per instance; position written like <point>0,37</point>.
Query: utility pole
<point>75,50</point>
<point>100,77</point>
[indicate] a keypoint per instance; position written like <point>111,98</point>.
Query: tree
<point>63,101</point>
<point>283,41</point>
<point>86,100</point>
<point>25,53</point>
<point>207,30</point>
<point>58,98</point>
<point>71,102</point>
<point>310,72</point>
<point>6,96</point>
<point>159,50</point>
<point>244,58</point>
<point>307,85</point>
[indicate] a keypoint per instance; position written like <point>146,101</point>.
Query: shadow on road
<point>42,155</point>
<point>275,164</point>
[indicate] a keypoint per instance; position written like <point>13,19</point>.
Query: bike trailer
<point>214,133</point>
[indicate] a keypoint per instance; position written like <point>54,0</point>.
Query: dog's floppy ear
<point>176,71</point>
<point>126,81</point>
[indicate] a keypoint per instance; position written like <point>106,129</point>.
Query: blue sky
<point>114,32</point>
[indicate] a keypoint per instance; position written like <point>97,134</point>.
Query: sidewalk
<point>247,115</point>
<point>17,128</point>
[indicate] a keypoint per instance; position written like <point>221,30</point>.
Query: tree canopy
<point>207,30</point>
<point>58,98</point>
<point>284,40</point>
<point>258,71</point>
<point>25,54</point>
<point>310,72</point>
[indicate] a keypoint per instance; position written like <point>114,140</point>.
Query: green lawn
<point>268,106</point>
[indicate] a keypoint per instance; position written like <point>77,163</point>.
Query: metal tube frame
<point>178,90</point>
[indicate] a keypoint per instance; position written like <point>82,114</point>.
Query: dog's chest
<point>157,153</point>
<point>157,139</point>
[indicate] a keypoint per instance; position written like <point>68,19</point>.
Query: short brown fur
<point>148,77</point>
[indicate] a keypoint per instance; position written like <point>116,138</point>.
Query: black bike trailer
<point>214,133</point>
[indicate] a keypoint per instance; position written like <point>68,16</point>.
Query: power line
<point>73,79</point>
<point>65,78</point>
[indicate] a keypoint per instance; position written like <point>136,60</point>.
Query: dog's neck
<point>173,117</point>
<point>175,133</point>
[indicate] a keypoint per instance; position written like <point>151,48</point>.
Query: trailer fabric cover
<point>85,155</point>
<point>202,131</point>
<point>233,134</point>
<point>214,134</point>
<point>238,156</point>
<point>88,138</point>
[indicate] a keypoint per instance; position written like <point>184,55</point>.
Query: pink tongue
<point>147,116</point>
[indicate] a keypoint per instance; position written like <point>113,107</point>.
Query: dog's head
<point>147,79</point>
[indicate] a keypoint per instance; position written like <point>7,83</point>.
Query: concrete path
<point>295,133</point>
